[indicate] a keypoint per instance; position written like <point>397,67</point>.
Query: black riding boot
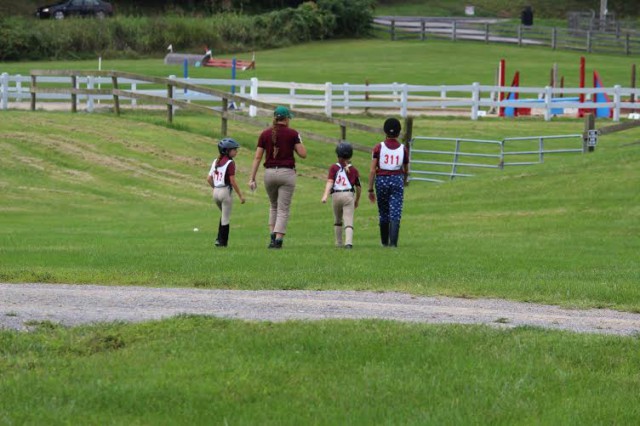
<point>224,235</point>
<point>218,242</point>
<point>384,234</point>
<point>394,233</point>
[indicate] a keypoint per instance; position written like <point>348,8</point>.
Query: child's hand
<point>356,204</point>
<point>324,199</point>
<point>372,197</point>
<point>242,200</point>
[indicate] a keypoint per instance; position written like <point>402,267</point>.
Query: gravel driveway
<point>72,305</point>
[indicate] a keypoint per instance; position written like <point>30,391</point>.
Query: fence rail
<point>474,100</point>
<point>432,159</point>
<point>622,41</point>
<point>172,95</point>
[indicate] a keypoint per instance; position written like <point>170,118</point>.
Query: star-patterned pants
<point>390,194</point>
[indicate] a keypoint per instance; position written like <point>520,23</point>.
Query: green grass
<point>97,199</point>
<point>194,370</point>
<point>433,62</point>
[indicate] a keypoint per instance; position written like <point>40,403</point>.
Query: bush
<point>26,39</point>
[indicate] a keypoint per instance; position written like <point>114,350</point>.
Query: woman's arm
<point>254,168</point>
<point>210,180</point>
<point>301,150</point>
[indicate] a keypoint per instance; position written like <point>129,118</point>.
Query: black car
<point>97,8</point>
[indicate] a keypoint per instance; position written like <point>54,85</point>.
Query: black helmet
<point>392,127</point>
<point>226,145</point>
<point>344,150</point>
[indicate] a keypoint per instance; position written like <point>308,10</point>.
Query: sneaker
<point>348,246</point>
<point>272,242</point>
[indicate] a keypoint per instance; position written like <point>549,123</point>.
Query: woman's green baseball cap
<point>282,112</point>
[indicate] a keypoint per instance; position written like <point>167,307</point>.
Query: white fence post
<point>547,103</point>
<point>5,90</point>
<point>404,100</point>
<point>616,99</point>
<point>90,80</point>
<point>346,96</point>
<point>18,88</point>
<point>242,93</point>
<point>394,95</point>
<point>134,88</point>
<point>475,98</point>
<point>292,95</point>
<point>253,94</point>
<point>443,95</point>
<point>328,92</point>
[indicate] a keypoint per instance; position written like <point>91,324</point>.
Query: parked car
<point>98,8</point>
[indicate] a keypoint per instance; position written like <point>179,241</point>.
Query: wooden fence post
<point>74,96</point>
<point>627,49</point>
<point>519,35</point>
<point>116,98</point>
<point>423,30</point>
<point>589,125</point>
<point>33,93</point>
<point>343,132</point>
<point>486,33</point>
<point>224,124</point>
<point>633,83</point>
<point>366,97</point>
<point>169,104</point>
<point>393,30</point>
<point>588,41</point>
<point>454,28</point>
<point>554,38</point>
<point>408,135</point>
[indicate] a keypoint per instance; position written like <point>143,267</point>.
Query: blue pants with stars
<point>390,194</point>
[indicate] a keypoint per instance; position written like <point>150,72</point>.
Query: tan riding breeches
<point>280,184</point>
<point>224,200</point>
<point>343,211</point>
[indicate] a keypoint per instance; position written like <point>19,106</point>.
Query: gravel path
<point>81,304</point>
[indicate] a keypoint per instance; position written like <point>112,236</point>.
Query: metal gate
<point>436,159</point>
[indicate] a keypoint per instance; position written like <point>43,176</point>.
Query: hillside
<point>94,198</point>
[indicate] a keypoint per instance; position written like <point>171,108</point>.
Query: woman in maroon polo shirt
<point>278,142</point>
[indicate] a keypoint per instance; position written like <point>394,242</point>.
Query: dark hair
<point>392,127</point>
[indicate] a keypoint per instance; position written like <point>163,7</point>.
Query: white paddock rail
<point>475,100</point>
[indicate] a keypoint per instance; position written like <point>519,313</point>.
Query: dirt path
<point>21,304</point>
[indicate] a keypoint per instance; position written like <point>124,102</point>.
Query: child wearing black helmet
<point>343,183</point>
<point>389,172</point>
<point>223,181</point>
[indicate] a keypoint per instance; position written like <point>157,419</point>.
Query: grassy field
<point>192,370</point>
<point>92,198</point>
<point>433,62</point>
<point>88,199</point>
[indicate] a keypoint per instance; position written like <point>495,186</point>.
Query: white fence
<point>474,100</point>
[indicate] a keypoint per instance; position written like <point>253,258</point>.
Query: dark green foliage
<point>26,39</point>
<point>353,17</point>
